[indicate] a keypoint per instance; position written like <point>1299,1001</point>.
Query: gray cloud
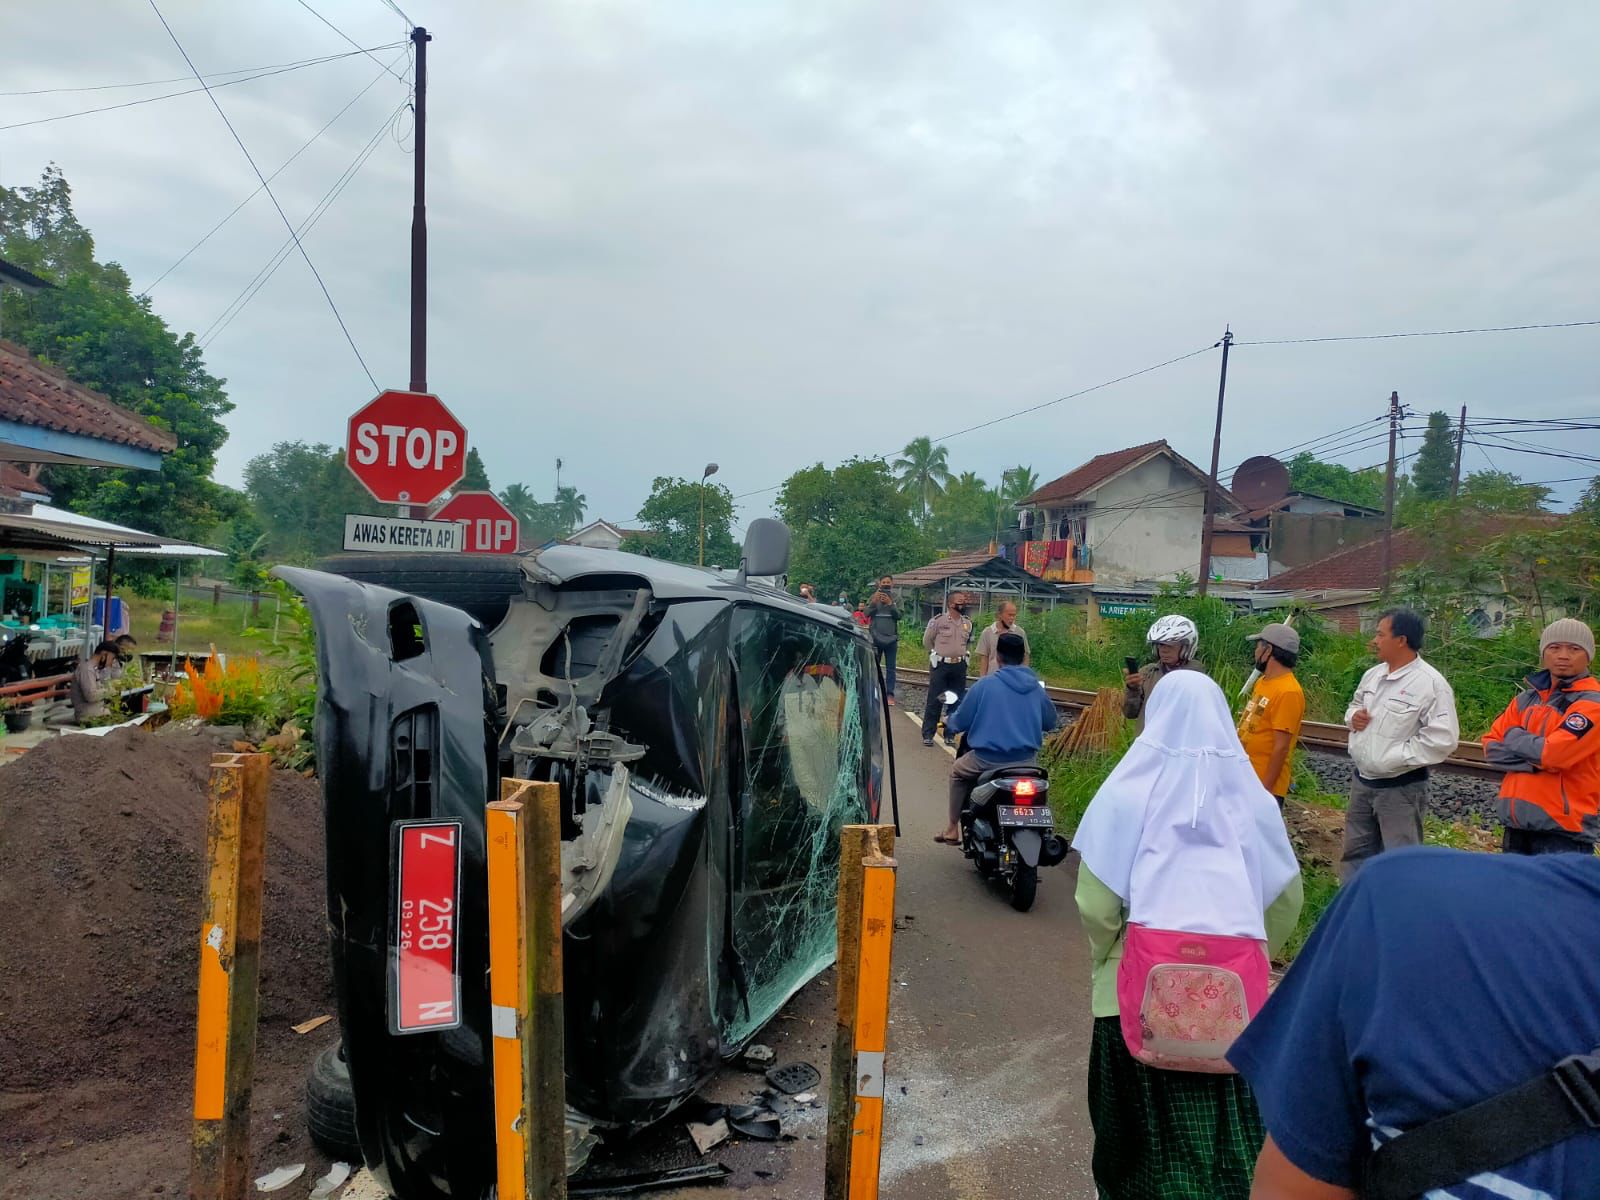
<point>773,234</point>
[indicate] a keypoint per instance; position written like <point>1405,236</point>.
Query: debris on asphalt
<point>758,1055</point>
<point>281,1178</point>
<point>794,1077</point>
<point>331,1182</point>
<point>755,1121</point>
<point>708,1137</point>
<point>650,1181</point>
<point>805,1098</point>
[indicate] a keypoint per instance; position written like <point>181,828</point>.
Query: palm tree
<point>570,507</point>
<point>520,501</point>
<point>1019,482</point>
<point>923,470</point>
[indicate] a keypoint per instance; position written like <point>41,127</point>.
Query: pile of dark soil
<point>102,846</point>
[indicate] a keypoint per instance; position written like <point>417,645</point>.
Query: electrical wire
<point>327,295</point>
<point>284,166</point>
<point>1380,337</point>
<point>397,11</point>
<point>340,32</point>
<point>1022,412</point>
<point>278,257</point>
<point>89,112</point>
<point>111,87</point>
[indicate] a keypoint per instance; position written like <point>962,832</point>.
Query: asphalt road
<point>988,1044</point>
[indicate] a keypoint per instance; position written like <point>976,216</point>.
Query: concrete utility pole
<point>1388,490</point>
<point>1461,444</point>
<point>419,220</point>
<point>1209,528</point>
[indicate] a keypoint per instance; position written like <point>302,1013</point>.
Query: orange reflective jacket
<point>1547,741</point>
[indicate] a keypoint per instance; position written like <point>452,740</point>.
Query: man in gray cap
<point>1269,727</point>
<point>1546,741</point>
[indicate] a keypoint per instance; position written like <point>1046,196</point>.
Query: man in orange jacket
<point>1547,742</point>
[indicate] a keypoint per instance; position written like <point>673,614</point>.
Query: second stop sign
<point>406,448</point>
<point>491,528</point>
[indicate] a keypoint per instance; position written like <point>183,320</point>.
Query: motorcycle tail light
<point>1025,790</point>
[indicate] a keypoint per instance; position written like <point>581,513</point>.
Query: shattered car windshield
<point>802,695</point>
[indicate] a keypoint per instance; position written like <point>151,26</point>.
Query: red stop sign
<point>491,528</point>
<point>406,448</point>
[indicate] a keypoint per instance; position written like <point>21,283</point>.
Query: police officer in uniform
<point>947,639</point>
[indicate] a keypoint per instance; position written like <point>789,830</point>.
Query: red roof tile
<point>1362,566</point>
<point>1103,468</point>
<point>14,478</point>
<point>32,393</point>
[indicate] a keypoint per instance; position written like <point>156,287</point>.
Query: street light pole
<point>711,469</point>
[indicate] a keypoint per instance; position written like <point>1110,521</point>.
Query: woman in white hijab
<point>1186,868</point>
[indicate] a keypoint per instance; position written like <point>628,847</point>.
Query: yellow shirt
<point>1275,704</point>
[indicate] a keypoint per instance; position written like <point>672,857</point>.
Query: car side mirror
<point>766,548</point>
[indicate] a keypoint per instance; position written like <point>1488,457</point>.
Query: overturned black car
<point>710,735</point>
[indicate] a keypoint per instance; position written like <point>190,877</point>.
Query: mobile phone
<point>1132,664</point>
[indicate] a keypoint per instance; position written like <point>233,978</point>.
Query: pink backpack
<point>1184,997</point>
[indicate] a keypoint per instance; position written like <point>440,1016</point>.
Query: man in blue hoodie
<point>1005,717</point>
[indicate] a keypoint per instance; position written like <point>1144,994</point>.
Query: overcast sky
<point>773,234</point>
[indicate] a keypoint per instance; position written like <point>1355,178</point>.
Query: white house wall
<point>1138,531</point>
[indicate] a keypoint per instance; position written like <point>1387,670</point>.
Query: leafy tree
<point>965,514</point>
<point>1436,461</point>
<point>922,471</point>
<point>476,479</point>
<point>1309,474</point>
<point>672,517</point>
<point>851,526</point>
<point>570,506</point>
<point>1501,491</point>
<point>1589,503</point>
<point>92,327</point>
<point>299,495</point>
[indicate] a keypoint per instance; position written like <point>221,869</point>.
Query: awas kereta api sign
<point>489,527</point>
<point>406,448</point>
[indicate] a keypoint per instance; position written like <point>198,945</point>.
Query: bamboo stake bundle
<point>1095,727</point>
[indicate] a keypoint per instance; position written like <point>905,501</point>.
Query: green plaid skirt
<point>1168,1135</point>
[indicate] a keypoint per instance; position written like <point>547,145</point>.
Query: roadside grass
<point>200,627</point>
<point>1321,886</point>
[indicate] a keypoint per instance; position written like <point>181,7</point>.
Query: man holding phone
<point>1173,639</point>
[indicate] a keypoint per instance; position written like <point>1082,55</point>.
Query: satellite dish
<point>1259,482</point>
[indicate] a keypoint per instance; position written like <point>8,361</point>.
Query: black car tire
<point>1024,887</point>
<point>480,585</point>
<point>331,1106</point>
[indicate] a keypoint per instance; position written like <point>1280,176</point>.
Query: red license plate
<point>424,984</point>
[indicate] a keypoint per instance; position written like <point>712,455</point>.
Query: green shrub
<point>1321,886</point>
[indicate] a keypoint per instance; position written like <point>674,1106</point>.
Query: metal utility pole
<point>1209,528</point>
<point>1388,490</point>
<point>420,38</point>
<point>1461,445</point>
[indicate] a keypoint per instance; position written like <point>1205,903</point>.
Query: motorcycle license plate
<point>424,983</point>
<point>1033,816</point>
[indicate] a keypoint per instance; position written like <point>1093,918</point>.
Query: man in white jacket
<point>1402,722</point>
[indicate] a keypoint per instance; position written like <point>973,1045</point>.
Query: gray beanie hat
<point>1568,630</point>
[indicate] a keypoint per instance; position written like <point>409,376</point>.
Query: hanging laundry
<point>1035,557</point>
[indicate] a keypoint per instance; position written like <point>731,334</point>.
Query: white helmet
<point>1175,628</point>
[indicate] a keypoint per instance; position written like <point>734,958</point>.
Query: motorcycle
<point>1008,830</point>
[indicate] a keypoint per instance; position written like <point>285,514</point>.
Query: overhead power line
<point>204,87</point>
<point>1022,412</point>
<point>281,168</point>
<point>280,255</point>
<point>342,33</point>
<point>111,87</point>
<point>243,149</point>
<point>1380,337</point>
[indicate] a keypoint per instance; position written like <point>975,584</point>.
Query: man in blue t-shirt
<point>1437,979</point>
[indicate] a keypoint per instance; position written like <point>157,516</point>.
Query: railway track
<point>1315,735</point>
